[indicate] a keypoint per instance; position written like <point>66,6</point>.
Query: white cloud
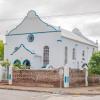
<point>88,24</point>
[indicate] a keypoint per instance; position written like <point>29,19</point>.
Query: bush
<point>94,63</point>
<point>17,64</point>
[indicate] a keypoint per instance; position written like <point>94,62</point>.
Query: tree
<point>94,63</point>
<point>1,50</point>
<point>6,64</point>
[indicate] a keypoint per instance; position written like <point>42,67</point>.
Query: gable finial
<point>31,13</point>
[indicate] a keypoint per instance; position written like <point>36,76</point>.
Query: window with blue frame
<point>17,62</point>
<point>27,64</point>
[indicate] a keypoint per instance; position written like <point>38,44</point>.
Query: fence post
<point>61,72</point>
<point>66,76</point>
<point>0,73</point>
<point>85,67</point>
<point>10,75</point>
<point>86,76</point>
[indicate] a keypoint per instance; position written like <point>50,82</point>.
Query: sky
<point>68,14</point>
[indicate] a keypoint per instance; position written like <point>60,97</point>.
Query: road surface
<point>25,95</point>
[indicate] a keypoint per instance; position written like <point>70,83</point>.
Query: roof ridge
<point>70,35</point>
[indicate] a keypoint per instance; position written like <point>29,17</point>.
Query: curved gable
<point>32,24</point>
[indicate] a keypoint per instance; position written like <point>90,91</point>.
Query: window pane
<point>66,50</point>
<point>74,54</point>
<point>46,56</point>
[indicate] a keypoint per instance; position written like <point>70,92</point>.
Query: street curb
<point>56,92</point>
<point>86,94</point>
<point>24,90</point>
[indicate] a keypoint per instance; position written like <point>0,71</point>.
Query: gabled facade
<point>38,44</point>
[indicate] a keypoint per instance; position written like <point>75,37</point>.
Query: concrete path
<point>25,95</point>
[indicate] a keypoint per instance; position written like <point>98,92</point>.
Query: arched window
<point>46,56</point>
<point>27,64</point>
<point>17,62</point>
<point>83,53</point>
<point>74,54</point>
<point>93,51</point>
<point>66,54</point>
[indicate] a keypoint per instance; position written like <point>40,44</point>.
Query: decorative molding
<point>22,45</point>
<point>32,33</point>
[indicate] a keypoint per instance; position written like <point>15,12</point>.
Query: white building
<point>37,44</point>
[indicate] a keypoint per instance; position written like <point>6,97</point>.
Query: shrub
<point>94,63</point>
<point>17,64</point>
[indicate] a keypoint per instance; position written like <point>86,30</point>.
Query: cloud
<point>93,29</point>
<point>47,7</point>
<point>88,24</point>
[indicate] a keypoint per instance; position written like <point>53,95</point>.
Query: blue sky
<point>77,13</point>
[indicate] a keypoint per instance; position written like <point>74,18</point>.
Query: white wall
<point>57,49</point>
<point>79,48</point>
<point>40,40</point>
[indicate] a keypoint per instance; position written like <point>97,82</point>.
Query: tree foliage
<point>94,63</point>
<point>1,50</point>
<point>5,63</point>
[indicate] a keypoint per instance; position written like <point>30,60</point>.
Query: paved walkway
<point>25,95</point>
<point>67,91</point>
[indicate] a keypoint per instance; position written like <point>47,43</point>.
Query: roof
<point>77,37</point>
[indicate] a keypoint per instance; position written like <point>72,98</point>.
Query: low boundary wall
<point>51,78</point>
<point>44,78</point>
